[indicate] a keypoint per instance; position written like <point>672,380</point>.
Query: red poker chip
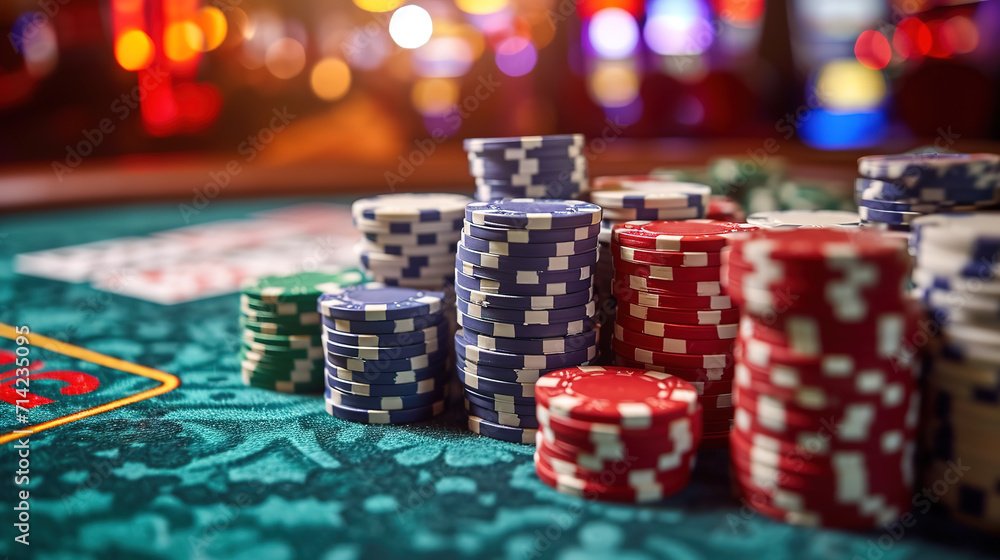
<point>666,287</point>
<point>800,293</point>
<point>821,245</point>
<point>595,490</point>
<point>666,258</point>
<point>716,402</point>
<point>668,273</point>
<point>612,457</point>
<point>677,345</point>
<point>716,427</point>
<point>717,415</point>
<point>717,441</point>
<point>809,275</point>
<point>766,355</point>
<point>724,209</point>
<point>801,331</point>
<point>831,305</point>
<point>585,434</point>
<point>834,392</point>
<point>688,235</point>
<point>687,374</point>
<point>681,316</point>
<point>712,387</point>
<point>633,398</point>
<point>669,359</point>
<point>647,299</point>
<point>622,473</point>
<point>686,332</point>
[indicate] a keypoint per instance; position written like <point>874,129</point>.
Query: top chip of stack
<point>647,197</point>
<point>895,190</point>
<point>957,277</point>
<point>387,353</point>
<point>280,346</point>
<point>409,239</point>
<point>524,290</point>
<point>528,167</point>
<point>825,398</point>
<point>617,434</point>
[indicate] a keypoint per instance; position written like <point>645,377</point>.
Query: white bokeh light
<point>614,33</point>
<point>411,27</point>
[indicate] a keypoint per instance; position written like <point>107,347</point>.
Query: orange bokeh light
<point>134,50</point>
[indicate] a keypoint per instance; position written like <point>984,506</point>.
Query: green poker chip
<point>280,328</point>
<point>308,352</point>
<point>284,386</point>
<point>292,376</point>
<point>287,308</point>
<point>299,288</point>
<point>305,318</point>
<point>279,364</point>
<point>289,341</point>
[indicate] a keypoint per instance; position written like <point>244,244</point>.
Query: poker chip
<point>814,364</point>
<point>681,316</point>
<point>529,213</point>
<point>520,153</point>
<point>485,166</point>
<point>523,236</point>
<point>386,353</point>
<point>652,194</point>
<point>673,345</point>
<point>488,190</point>
<point>537,167</point>
<point>648,299</point>
<point>502,418</point>
<point>512,287</point>
<point>501,432</point>
<point>504,301</point>
<point>557,345</point>
<point>281,345</point>
<point>510,406</point>
<point>668,258</point>
<point>524,277</point>
<point>724,209</point>
<point>686,236</point>
<point>410,238</point>
<point>493,387</point>
<point>616,434</point>
<point>527,316</point>
<point>523,142</point>
<point>679,273</point>
<point>805,218</point>
<point>511,330</point>
<point>482,356</point>
<point>669,287</point>
<point>536,250</point>
<point>918,170</point>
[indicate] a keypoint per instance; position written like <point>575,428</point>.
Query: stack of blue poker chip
<point>895,190</point>
<point>625,198</point>
<point>958,279</point>
<point>525,302</point>
<point>387,353</point>
<point>552,167</point>
<point>409,239</point>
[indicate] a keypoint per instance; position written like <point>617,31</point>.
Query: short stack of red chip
<point>825,396</point>
<point>725,209</point>
<point>673,315</point>
<point>617,434</point>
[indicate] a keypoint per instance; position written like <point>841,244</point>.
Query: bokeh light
<point>678,27</point>
<point>516,56</point>
<point>847,86</point>
<point>614,33</point>
<point>959,34</point>
<point>366,49</point>
<point>285,58</point>
<point>434,96</point>
<point>178,38</point>
<point>212,26</point>
<point>481,7</point>
<point>912,38</point>
<point>411,27</point>
<point>443,57</point>
<point>378,5</point>
<point>40,49</point>
<point>134,50</point>
<point>330,79</point>
<point>614,85</point>
<point>872,50</point>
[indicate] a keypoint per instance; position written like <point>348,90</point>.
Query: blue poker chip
<point>511,405</point>
<point>556,190</point>
<point>387,353</point>
<point>505,301</point>
<point>384,403</point>
<point>387,340</point>
<point>525,276</point>
<point>876,189</point>
<point>661,195</point>
<point>504,433</point>
<point>533,213</point>
<point>404,416</point>
<point>477,355</point>
<point>527,316</point>
<point>397,262</point>
<point>493,386</point>
<point>510,330</point>
<point>485,166</point>
<point>896,206</point>
<point>564,249</point>
<point>401,364</point>
<point>413,239</point>
<point>422,387</point>
<point>968,171</point>
<point>411,207</point>
<point>555,345</point>
<point>502,418</point>
<point>490,260</point>
<point>377,302</point>
<point>651,214</point>
<point>396,228</point>
<point>523,142</point>
<point>493,233</point>
<point>508,375</point>
<point>512,288</point>
<point>512,154</point>
<point>367,248</point>
<point>388,377</point>
<point>887,216</point>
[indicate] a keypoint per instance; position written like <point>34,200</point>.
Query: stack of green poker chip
<point>280,344</point>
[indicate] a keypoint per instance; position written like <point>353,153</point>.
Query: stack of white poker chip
<point>958,279</point>
<point>409,240</point>
<point>552,167</point>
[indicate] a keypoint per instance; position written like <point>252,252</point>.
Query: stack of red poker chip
<point>825,395</point>
<point>673,315</point>
<point>617,434</point>
<point>725,209</point>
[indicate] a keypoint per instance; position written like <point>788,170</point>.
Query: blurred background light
<point>516,56</point>
<point>614,84</point>
<point>211,23</point>
<point>330,79</point>
<point>912,38</point>
<point>134,50</point>
<point>872,50</point>
<point>959,34</point>
<point>434,96</point>
<point>378,5</point>
<point>411,27</point>
<point>677,27</point>
<point>443,57</point>
<point>614,33</point>
<point>285,58</point>
<point>481,7</point>
<point>178,38</point>
<point>845,85</point>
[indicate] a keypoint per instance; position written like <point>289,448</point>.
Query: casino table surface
<point>214,469</point>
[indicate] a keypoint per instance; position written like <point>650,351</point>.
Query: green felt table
<point>214,469</point>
